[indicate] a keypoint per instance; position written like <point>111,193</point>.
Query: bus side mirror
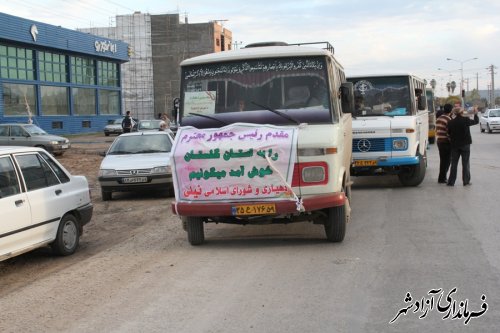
<point>421,102</point>
<point>347,97</point>
<point>175,110</point>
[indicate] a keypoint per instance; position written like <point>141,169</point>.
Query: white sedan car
<point>137,161</point>
<point>490,120</point>
<point>41,203</point>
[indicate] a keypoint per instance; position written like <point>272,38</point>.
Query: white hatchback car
<point>137,161</point>
<point>490,120</point>
<point>41,203</point>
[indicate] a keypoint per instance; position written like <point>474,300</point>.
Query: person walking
<point>127,123</point>
<point>443,143</point>
<point>460,138</point>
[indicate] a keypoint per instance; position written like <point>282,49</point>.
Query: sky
<point>369,37</point>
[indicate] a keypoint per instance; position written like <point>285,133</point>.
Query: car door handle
<point>19,202</point>
<point>58,192</point>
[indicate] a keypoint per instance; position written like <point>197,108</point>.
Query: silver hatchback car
<point>32,136</point>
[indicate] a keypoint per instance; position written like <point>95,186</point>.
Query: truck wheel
<point>106,195</point>
<point>68,236</point>
<point>195,230</point>
<point>416,174</point>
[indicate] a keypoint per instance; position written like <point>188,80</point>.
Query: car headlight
<point>107,172</point>
<point>162,169</point>
<point>400,144</point>
<point>53,142</point>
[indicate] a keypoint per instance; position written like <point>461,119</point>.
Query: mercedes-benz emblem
<point>364,145</point>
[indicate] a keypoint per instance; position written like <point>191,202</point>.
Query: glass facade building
<point>62,80</point>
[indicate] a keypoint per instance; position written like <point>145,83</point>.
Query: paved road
<point>142,276</point>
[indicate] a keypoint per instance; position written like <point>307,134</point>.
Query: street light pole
<point>461,77</point>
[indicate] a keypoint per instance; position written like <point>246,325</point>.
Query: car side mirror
<point>102,153</point>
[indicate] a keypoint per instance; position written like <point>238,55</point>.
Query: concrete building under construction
<point>157,45</point>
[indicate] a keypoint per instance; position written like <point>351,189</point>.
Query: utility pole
<point>491,69</point>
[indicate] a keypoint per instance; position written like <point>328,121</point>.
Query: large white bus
<point>390,127</point>
<point>241,114</point>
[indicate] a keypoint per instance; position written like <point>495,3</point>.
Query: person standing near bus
<point>443,143</point>
<point>459,132</point>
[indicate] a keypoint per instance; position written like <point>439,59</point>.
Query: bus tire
<point>414,175</point>
<point>336,224</point>
<point>195,230</point>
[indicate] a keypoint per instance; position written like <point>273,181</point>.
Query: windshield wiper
<point>119,152</point>
<point>208,117</point>
<point>279,113</point>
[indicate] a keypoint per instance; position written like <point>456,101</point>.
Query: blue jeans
<point>456,153</point>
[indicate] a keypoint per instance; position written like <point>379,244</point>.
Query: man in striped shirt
<point>443,143</point>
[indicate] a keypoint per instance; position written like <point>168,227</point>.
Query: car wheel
<point>106,195</point>
<point>195,230</point>
<point>106,134</point>
<point>488,128</point>
<point>68,236</point>
<point>481,128</point>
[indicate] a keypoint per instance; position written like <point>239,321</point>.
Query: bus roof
<point>258,53</point>
<point>383,75</point>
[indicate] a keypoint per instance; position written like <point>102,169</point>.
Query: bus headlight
<point>399,144</point>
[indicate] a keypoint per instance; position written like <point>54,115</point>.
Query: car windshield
<point>381,96</point>
<point>117,122</point>
<point>289,85</point>
<point>141,144</point>
<point>495,113</point>
<point>34,130</point>
<point>149,124</point>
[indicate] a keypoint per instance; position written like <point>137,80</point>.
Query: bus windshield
<point>289,85</point>
<point>382,96</point>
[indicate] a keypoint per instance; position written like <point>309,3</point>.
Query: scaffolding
<point>137,74</point>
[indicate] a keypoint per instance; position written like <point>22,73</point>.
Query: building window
<point>108,74</point>
<point>19,99</point>
<point>16,63</point>
<point>83,71</point>
<point>86,124</point>
<point>53,67</point>
<point>109,102</point>
<point>217,42</point>
<point>54,101</point>
<point>57,124</point>
<point>84,101</point>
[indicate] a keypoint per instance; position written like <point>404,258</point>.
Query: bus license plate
<point>360,163</point>
<point>133,180</point>
<point>259,209</point>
